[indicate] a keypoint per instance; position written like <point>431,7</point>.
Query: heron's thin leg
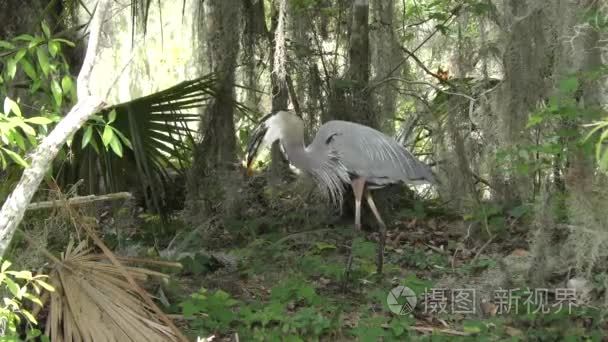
<point>358,185</point>
<point>382,240</point>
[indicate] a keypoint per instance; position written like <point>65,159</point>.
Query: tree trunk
<point>385,54</point>
<point>215,156</point>
<point>349,98</point>
<point>280,97</point>
<point>359,66</point>
<point>526,60</point>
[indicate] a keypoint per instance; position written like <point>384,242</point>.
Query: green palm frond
<point>159,129</point>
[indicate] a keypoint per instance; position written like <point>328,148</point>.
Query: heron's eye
<point>331,138</point>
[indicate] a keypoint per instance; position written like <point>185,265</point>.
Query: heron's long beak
<point>256,139</point>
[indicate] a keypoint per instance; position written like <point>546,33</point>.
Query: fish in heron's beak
<point>255,141</point>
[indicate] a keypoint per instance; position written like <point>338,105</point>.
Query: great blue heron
<point>342,153</point>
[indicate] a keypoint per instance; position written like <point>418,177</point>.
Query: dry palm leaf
<point>93,302</point>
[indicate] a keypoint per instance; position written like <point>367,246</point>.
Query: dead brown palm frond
<point>94,302</point>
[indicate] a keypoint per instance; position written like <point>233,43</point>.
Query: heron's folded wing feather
<point>370,153</point>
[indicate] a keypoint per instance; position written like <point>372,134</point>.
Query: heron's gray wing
<point>368,153</point>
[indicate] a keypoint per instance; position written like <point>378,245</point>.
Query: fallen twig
<point>482,248</point>
<point>79,200</point>
<point>443,331</point>
<point>128,260</point>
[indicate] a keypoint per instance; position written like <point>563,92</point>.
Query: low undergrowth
<point>286,285</point>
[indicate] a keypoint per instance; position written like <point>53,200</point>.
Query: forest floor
<point>278,275</point>
<point>283,282</point>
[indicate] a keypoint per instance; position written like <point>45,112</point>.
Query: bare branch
<point>79,200</point>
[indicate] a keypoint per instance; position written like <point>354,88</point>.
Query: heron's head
<point>272,127</point>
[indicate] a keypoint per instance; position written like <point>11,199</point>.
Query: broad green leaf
<point>6,45</point>
<point>108,135</point>
<point>67,84</point>
<point>95,145</point>
<point>19,55</point>
<point>10,303</point>
<point>4,165</point>
<point>5,138</point>
<point>54,48</point>
<point>11,68</point>
<point>86,137</point>
<point>98,118</point>
<point>19,141</point>
<point>5,265</point>
<point>57,92</point>
<point>45,285</point>
<point>116,146</point>
<point>27,129</point>
<point>35,42</point>
<point>43,59</point>
<point>22,291</point>
<point>35,85</point>
<point>28,68</point>
<point>24,37</point>
<point>112,116</point>
<point>39,120</point>
<point>15,157</point>
<point>13,287</point>
<point>29,316</point>
<point>66,42</point>
<point>27,275</point>
<point>46,29</point>
<point>10,105</point>
<point>31,138</point>
<point>32,334</point>
<point>123,138</point>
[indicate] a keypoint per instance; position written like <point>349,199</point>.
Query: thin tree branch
<point>388,79</point>
<point>453,13</point>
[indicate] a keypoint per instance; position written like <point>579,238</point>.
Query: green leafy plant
<point>16,133</point>
<point>40,59</point>
<point>600,131</point>
<point>418,258</point>
<point>35,88</point>
<point>111,138</point>
<point>19,286</point>
<point>212,311</point>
